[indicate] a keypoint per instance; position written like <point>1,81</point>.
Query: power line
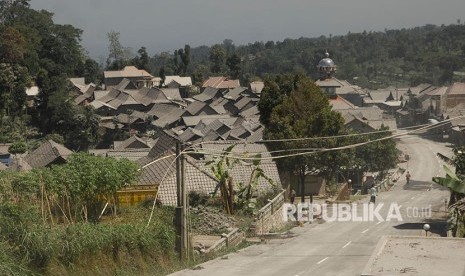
<point>427,127</point>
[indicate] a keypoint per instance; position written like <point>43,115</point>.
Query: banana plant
<point>451,181</point>
<point>221,169</point>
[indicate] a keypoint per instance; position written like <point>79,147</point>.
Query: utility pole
<point>181,208</point>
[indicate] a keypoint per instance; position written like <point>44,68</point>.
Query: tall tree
<point>217,58</point>
<point>186,58</point>
<point>142,61</point>
<point>304,112</point>
<point>234,64</point>
<point>10,8</point>
<point>118,56</point>
<point>12,45</point>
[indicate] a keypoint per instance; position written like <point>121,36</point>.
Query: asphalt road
<point>343,248</point>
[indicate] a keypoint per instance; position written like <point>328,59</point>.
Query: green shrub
<point>10,264</point>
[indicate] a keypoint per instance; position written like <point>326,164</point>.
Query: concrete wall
<point>231,239</point>
<point>270,217</point>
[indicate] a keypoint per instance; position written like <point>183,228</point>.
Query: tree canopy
<point>296,108</point>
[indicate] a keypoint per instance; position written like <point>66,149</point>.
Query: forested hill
<point>370,59</point>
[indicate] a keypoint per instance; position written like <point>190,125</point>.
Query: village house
<point>220,83</point>
<point>181,83</point>
<point>455,95</point>
<point>47,154</point>
<point>256,87</point>
<point>138,78</point>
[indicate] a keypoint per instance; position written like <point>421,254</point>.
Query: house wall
<point>111,82</point>
<point>313,184</point>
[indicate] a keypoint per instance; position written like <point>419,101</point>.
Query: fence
<point>270,215</point>
<point>233,238</point>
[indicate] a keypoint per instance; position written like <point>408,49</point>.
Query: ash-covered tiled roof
<point>419,88</point>
<point>240,132</point>
<point>169,118</point>
<point>182,81</point>
<point>159,110</point>
<point>340,103</point>
<point>153,172</point>
<point>132,154</point>
<point>195,108</point>
<point>208,94</point>
<point>194,120</point>
<point>457,88</point>
<point>248,149</point>
<point>4,147</point>
<point>243,103</point>
<point>257,87</point>
<point>199,177</point>
<point>196,179</point>
<point>163,144</point>
<point>172,94</point>
<point>221,83</point>
<point>127,72</point>
<point>132,142</point>
<point>190,134</point>
<point>256,136</point>
<point>46,154</point>
<point>235,93</point>
<point>250,112</point>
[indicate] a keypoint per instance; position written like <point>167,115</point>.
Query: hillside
<point>370,59</point>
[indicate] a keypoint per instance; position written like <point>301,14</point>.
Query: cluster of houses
<point>221,113</point>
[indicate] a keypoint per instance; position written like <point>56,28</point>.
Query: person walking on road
<point>373,195</point>
<point>407,177</point>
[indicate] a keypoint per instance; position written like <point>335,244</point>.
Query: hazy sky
<point>170,24</point>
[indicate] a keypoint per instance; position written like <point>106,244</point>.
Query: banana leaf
<point>451,181</point>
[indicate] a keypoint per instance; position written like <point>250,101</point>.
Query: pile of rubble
<point>210,221</point>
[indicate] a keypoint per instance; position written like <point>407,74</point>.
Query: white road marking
<point>322,260</point>
<point>347,244</point>
<point>379,222</point>
<point>412,197</point>
<point>366,230</point>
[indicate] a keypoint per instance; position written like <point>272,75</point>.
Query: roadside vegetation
<point>52,223</point>
<point>455,181</point>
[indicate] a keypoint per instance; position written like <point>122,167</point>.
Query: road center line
<point>322,260</point>
<point>412,197</point>
<point>366,230</point>
<point>347,244</point>
<point>379,222</point>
